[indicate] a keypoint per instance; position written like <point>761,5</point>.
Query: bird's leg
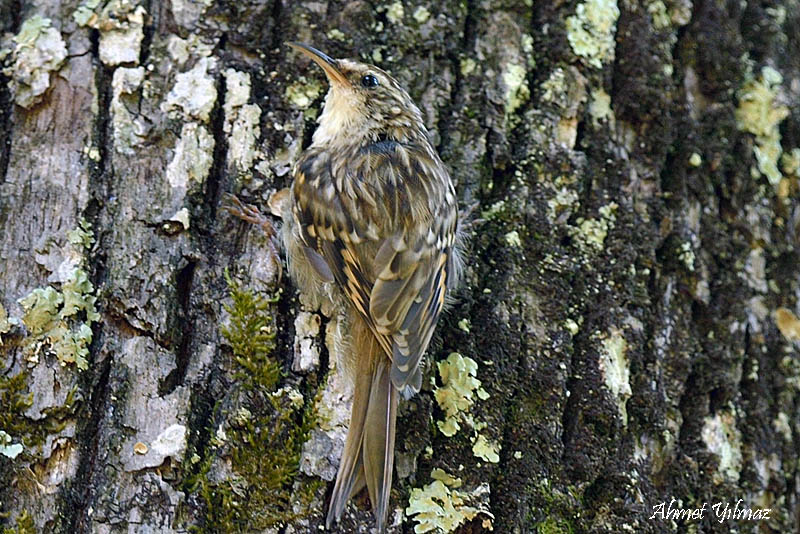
<point>251,214</point>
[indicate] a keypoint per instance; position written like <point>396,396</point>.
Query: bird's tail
<point>368,455</point>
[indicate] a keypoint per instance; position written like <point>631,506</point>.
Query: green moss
<point>251,336</point>
<point>263,439</point>
<point>15,401</point>
<point>557,508</point>
<point>25,525</point>
<point>554,526</point>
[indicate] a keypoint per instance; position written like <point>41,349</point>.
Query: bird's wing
<point>401,292</point>
<point>328,233</point>
<point>406,301</point>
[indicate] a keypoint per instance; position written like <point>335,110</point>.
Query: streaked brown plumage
<point>374,214</point>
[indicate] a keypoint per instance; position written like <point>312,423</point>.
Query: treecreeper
<point>374,222</point>
<point>371,226</point>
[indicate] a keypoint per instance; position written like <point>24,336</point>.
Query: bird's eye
<point>369,81</point>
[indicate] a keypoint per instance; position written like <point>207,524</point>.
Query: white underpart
<point>339,115</point>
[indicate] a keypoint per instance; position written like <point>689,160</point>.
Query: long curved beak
<point>328,64</point>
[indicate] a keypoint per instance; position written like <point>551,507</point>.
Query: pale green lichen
<point>194,94</point>
<point>554,87</point>
<point>458,391</point>
<point>516,88</point>
<point>121,26</point>
<point>84,14</point>
<point>686,255</point>
<point>421,14</point>
<point>494,210</point>
<point>723,438</point>
<point>572,326</point>
<point>8,449</point>
<point>486,450</point>
<point>82,236</point>
<point>590,234</point>
<point>395,13</point>
<point>194,154</point>
<point>759,114</point>
<point>615,369</point>
<point>60,322</point>
<point>24,524</point>
<point>128,126</point>
<point>39,51</point>
<point>591,30</point>
<point>441,507</point>
<point>336,34</point>
<point>241,123</point>
<point>182,49</point>
<point>600,107</point>
<point>302,94</point>
<point>512,239</point>
<point>6,323</point>
<point>564,199</point>
<point>468,66</point>
<point>783,426</point>
<point>658,12</point>
<point>790,162</point>
<point>527,49</point>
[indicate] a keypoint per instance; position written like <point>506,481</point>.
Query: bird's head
<point>363,105</point>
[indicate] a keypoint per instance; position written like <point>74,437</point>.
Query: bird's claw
<point>250,213</point>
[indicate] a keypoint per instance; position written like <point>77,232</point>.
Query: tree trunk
<point>624,350</point>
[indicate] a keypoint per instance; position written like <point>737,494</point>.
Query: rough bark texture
<point>631,294</point>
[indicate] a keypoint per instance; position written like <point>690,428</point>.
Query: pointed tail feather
<point>350,477</point>
<point>368,455</point>
<point>379,431</point>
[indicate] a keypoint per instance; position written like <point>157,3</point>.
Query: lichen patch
<point>442,507</point>
<point>760,114</point>
<point>39,51</point>
<point>591,31</point>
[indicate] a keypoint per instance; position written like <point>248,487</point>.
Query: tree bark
<point>626,336</point>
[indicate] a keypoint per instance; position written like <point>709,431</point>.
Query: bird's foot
<point>250,213</point>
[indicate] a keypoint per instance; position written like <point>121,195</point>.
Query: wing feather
<point>389,255</point>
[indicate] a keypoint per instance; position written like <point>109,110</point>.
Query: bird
<point>373,221</point>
